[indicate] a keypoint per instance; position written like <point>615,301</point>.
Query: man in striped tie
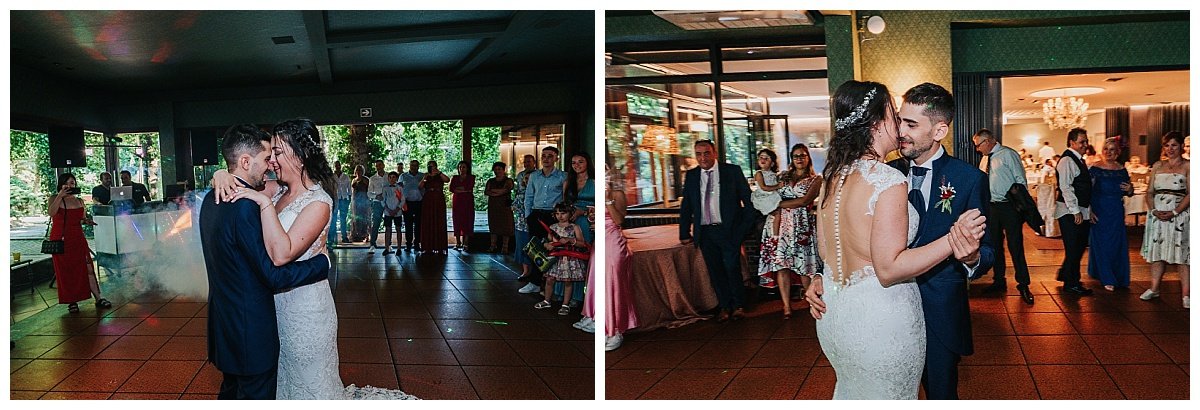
<point>714,216</point>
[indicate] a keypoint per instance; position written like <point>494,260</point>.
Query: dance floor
<point>1107,346</point>
<point>436,327</point>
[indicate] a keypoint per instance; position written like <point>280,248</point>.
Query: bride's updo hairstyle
<point>857,106</point>
<point>303,138</point>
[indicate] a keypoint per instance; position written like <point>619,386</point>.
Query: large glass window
<point>139,154</point>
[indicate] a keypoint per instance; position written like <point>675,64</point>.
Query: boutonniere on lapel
<point>947,195</point>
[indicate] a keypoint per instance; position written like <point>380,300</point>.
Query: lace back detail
<point>879,175</point>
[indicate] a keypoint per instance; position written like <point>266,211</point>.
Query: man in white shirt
<point>375,192</point>
<point>1072,208</point>
<point>1045,153</point>
<point>342,206</point>
<point>410,183</point>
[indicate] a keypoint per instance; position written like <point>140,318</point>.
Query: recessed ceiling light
<point>784,92</point>
<point>1067,92</point>
<point>1149,94</point>
<point>283,40</point>
<point>728,18</point>
<point>1114,79</point>
<point>1165,102</point>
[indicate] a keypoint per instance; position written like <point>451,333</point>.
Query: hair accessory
<point>856,115</point>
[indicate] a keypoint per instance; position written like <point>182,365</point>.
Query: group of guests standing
<point>1089,208</point>
<point>414,203</point>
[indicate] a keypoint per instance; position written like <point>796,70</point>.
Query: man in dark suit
<point>243,340</point>
<point>941,188</point>
<point>716,212</point>
<point>140,193</point>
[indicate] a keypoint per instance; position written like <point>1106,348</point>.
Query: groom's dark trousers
<point>243,337</point>
<point>944,287</point>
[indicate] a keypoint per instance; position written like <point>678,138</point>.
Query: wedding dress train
<point>308,354</point>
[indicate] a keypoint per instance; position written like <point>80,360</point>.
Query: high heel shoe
<point>73,307</point>
<point>103,303</point>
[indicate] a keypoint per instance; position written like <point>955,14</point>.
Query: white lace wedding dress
<point>874,336</point>
<point>308,354</point>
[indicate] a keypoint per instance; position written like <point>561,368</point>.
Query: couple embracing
<point>272,325</point>
<point>900,242</point>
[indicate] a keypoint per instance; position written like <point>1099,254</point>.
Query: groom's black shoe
<point>999,286</point>
<point>723,316</point>
<point>1077,289</point>
<point>1026,295</point>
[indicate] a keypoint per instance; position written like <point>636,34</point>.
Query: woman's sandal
<point>103,303</point>
<point>73,307</point>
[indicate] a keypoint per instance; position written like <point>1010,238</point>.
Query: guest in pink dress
<point>463,206</point>
<point>620,315</point>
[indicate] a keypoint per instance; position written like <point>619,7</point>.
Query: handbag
<point>51,246</point>
<point>537,253</point>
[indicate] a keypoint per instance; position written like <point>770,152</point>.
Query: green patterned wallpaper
<point>839,48</point>
<point>1067,47</point>
<point>918,45</point>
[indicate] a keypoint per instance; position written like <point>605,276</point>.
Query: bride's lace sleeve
<point>881,176</point>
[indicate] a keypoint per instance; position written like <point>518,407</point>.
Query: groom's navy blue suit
<point>243,340</point>
<point>944,287</point>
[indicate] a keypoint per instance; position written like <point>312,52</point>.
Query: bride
<point>870,323</point>
<point>295,220</point>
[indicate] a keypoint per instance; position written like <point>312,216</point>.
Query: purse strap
<point>50,223</point>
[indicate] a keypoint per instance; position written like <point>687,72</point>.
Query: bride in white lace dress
<point>306,315</point>
<point>870,323</point>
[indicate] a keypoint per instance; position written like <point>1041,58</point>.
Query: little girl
<point>765,198</point>
<point>567,270</point>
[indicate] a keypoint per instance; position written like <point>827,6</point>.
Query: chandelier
<point>1064,114</point>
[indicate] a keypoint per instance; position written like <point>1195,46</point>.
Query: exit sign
<point>365,112</point>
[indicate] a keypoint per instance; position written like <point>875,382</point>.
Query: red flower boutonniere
<point>946,197</point>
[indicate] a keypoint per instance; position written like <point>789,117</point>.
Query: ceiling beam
<point>417,34</point>
<point>314,23</point>
<point>521,21</point>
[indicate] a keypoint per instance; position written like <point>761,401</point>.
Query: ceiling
<point>1134,88</point>
<point>177,50</point>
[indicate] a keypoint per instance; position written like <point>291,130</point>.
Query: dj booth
<point>127,237</point>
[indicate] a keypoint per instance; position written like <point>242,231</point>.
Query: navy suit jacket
<point>736,213</point>
<point>944,287</point>
<point>242,335</point>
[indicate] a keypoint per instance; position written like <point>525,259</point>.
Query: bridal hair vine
<point>856,115</point>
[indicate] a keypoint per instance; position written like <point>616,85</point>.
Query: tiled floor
<point>436,327</point>
<point>1107,346</point>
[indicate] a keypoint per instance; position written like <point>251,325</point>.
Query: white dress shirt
<point>927,184</point>
<point>375,186</point>
<point>1067,171</point>
<point>714,200</point>
<point>343,186</point>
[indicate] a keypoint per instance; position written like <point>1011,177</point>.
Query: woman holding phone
<point>73,268</point>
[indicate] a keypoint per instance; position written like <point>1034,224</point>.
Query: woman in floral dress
<point>793,255</point>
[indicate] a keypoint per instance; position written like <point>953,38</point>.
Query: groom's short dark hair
<point>935,101</point>
<point>242,139</point>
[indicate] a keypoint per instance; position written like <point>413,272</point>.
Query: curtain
<point>1116,123</point>
<point>1162,119</point>
<point>977,104</point>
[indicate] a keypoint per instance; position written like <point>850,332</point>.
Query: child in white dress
<point>766,198</point>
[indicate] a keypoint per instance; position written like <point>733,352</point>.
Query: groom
<point>942,188</point>
<point>243,340</point>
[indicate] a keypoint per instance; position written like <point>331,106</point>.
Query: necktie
<point>914,195</point>
<point>708,191</point>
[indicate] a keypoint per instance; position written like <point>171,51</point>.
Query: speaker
<point>204,147</point>
<point>66,147</point>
